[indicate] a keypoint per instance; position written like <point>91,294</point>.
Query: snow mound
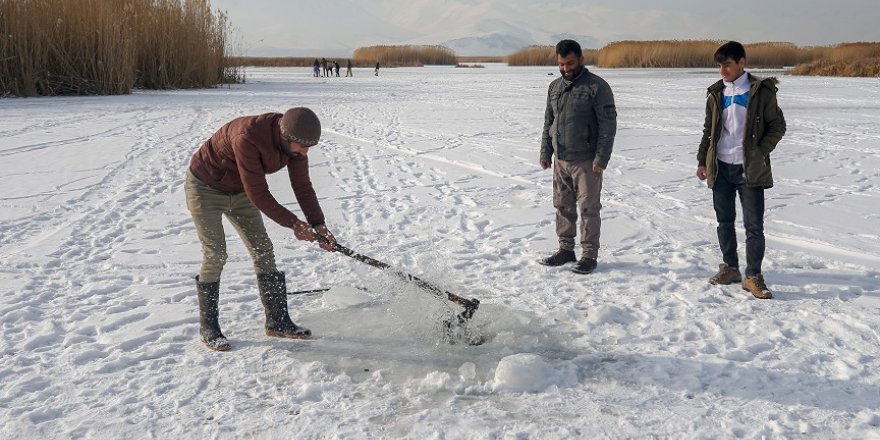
<point>530,373</point>
<point>605,314</point>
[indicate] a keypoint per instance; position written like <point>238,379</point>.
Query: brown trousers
<point>576,189</point>
<point>207,207</point>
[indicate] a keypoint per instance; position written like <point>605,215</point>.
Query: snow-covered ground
<point>434,170</point>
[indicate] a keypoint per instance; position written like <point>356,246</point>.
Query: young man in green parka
<point>742,127</point>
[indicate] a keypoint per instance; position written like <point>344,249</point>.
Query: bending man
<point>227,176</point>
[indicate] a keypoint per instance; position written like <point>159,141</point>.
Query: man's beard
<point>574,73</point>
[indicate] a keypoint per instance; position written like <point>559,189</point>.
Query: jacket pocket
<point>758,129</point>
<point>581,100</point>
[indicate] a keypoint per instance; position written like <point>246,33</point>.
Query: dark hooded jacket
<point>765,126</point>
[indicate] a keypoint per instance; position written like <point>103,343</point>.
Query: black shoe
<point>561,257</point>
<point>585,265</point>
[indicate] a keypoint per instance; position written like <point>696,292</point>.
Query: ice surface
<point>434,170</point>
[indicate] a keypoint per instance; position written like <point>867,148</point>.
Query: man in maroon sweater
<point>227,176</point>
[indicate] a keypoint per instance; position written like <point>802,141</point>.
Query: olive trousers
<point>207,207</point>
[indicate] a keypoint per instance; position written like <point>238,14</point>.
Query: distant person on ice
<point>742,127</point>
<point>336,66</point>
<point>580,123</point>
<point>348,69</point>
<point>227,176</point>
<point>317,67</point>
<point>377,68</point>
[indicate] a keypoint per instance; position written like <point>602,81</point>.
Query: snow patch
<point>530,373</point>
<point>602,315</point>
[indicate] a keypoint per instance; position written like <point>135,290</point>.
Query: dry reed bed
<point>408,55</point>
<point>544,56</point>
<point>85,47</point>
<point>657,54</point>
<point>698,53</point>
<point>480,59</point>
<point>848,59</point>
<point>868,67</point>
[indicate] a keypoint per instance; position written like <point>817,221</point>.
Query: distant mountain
<point>585,41</point>
<point>492,44</point>
<point>506,43</point>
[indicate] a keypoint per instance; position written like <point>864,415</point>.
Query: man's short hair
<point>566,47</point>
<point>732,50</point>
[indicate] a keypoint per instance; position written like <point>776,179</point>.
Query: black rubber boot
<point>561,257</point>
<point>273,293</point>
<point>209,301</point>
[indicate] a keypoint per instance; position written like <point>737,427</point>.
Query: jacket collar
<point>756,81</point>
<point>276,137</point>
<point>740,82</point>
<point>583,74</point>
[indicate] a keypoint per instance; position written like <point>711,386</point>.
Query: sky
<point>337,27</point>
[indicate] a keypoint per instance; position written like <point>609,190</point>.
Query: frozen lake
<point>434,170</point>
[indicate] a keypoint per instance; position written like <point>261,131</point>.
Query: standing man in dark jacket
<point>580,123</point>
<point>227,176</point>
<point>743,125</point>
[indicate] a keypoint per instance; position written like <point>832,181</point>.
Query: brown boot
<point>726,275</point>
<point>755,285</point>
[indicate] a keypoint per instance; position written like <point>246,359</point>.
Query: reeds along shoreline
<point>869,67</point>
<point>699,53</point>
<point>86,47</point>
<point>386,56</point>
<point>544,56</point>
<point>391,56</point>
<point>295,61</point>
<point>847,59</point>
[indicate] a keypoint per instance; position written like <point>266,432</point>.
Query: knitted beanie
<point>301,125</point>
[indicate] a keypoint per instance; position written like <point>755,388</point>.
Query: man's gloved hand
<point>330,243</point>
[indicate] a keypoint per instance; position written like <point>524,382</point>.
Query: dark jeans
<point>728,183</point>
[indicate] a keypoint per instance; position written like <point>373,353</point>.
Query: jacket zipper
<point>715,135</point>
<point>749,111</point>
